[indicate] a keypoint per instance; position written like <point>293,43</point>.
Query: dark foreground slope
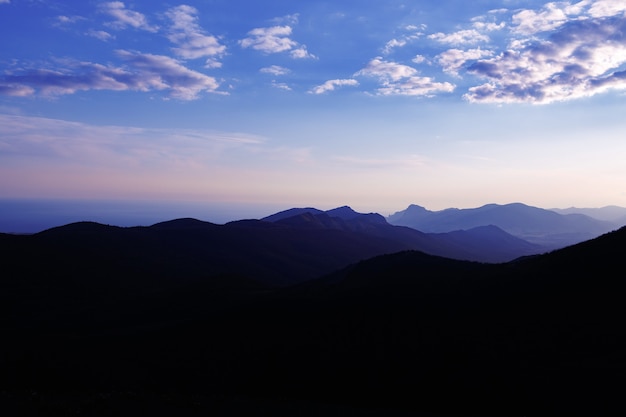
<point>394,335</point>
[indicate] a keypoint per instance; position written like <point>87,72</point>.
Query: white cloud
<point>466,36</point>
<point>387,71</point>
<point>582,58</point>
<point>301,53</point>
<point>605,8</point>
<point>400,79</point>
<point>125,17</point>
<point>192,41</point>
<point>275,39</point>
<point>394,43</point>
<point>275,70</point>
<point>269,40</point>
<point>5,1</point>
<point>453,60</point>
<point>331,85</point>
<point>529,22</point>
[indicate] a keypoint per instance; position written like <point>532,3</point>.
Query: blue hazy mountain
<point>535,225</point>
<point>483,244</point>
<point>614,214</point>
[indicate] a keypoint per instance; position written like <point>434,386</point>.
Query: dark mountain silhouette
<point>535,225</point>
<point>101,320</point>
<point>264,252</point>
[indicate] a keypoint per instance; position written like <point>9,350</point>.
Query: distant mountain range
<point>484,243</point>
<point>543,227</point>
<point>612,214</point>
<point>285,316</point>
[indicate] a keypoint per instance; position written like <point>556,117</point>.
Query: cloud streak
<point>331,85</point>
<point>145,72</point>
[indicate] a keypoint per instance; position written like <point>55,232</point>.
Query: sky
<point>282,103</point>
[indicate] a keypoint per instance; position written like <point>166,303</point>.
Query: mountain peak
<point>344,212</point>
<point>285,214</point>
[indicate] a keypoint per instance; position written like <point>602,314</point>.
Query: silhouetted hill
<point>264,252</point>
<point>535,225</point>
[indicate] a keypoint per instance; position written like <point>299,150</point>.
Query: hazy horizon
<point>243,109</point>
<point>33,215</point>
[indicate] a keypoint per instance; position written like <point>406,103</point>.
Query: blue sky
<point>376,105</point>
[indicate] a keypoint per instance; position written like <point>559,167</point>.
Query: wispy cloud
<point>281,86</point>
<point>15,89</point>
<point>84,143</point>
<point>100,34</point>
<point>125,17</point>
<point>331,85</point>
<point>461,37</point>
<point>551,16</point>
<point>191,40</point>
<point>67,20</point>
<point>275,70</point>
<point>415,33</point>
<point>83,159</point>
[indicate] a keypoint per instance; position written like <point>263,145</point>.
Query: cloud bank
<point>580,59</point>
